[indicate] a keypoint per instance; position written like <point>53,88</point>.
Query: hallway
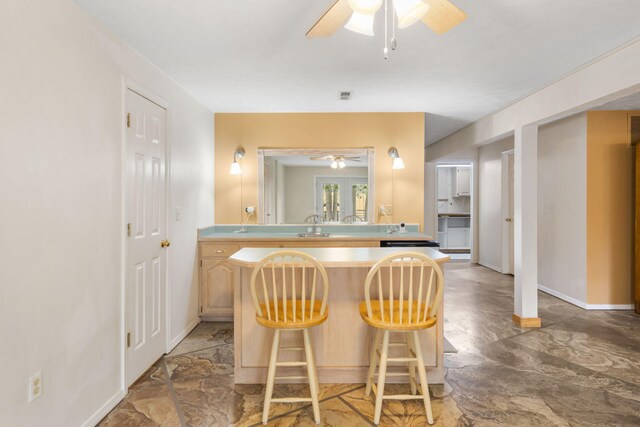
<point>580,368</point>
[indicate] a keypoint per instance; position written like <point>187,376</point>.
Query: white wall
<point>61,195</point>
<point>299,186</point>
<point>562,207</point>
<point>489,203</point>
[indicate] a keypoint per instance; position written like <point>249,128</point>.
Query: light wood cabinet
<point>216,290</point>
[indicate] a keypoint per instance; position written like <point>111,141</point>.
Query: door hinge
<point>129,229</point>
<point>128,120</point>
<point>200,263</point>
<point>128,339</point>
<point>200,309</point>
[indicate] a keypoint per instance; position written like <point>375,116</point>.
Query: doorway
<point>454,194</point>
<point>147,236</point>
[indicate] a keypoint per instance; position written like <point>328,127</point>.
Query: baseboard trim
<point>583,304</point>
<point>563,297</point>
<point>104,409</point>
<point>174,342</point>
<point>609,306</point>
<point>492,267</point>
<point>526,322</point>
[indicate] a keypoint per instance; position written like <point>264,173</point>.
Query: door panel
<point>146,212</point>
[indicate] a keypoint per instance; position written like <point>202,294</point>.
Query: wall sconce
<point>235,166</point>
<point>397,160</point>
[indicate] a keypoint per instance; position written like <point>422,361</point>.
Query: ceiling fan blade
<point>442,16</point>
<point>332,19</point>
<point>321,158</point>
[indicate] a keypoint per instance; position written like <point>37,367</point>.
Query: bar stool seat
<point>377,315</point>
<point>303,319</point>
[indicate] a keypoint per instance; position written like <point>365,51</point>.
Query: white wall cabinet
<point>461,182</point>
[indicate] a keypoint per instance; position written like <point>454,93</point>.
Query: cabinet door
<point>463,182</point>
<point>217,279</point>
<point>443,183</point>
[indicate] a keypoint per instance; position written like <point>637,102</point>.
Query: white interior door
<point>146,268</point>
<point>509,219</point>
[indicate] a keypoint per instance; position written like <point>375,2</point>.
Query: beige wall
<point>609,208</point>
<point>405,131</point>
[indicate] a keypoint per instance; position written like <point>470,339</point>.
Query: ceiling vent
<point>634,130</point>
<point>344,96</point>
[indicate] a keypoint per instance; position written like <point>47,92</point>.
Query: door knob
<point>165,243</point>
<point>508,219</point>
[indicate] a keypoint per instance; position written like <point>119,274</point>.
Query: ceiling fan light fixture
<point>361,23</point>
<point>334,165</point>
<point>341,164</point>
<point>409,11</point>
<point>365,7</point>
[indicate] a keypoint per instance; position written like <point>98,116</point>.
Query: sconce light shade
<point>235,169</point>
<point>409,11</point>
<point>235,166</point>
<point>397,161</point>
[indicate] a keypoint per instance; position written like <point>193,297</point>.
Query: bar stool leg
<point>311,372</point>
<point>423,377</point>
<point>412,365</point>
<point>381,377</point>
<point>373,361</point>
<point>271,376</point>
<point>312,358</point>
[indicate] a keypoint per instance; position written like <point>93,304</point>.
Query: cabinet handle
<point>508,219</point>
<point>219,251</point>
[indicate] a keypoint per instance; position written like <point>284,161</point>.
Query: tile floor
<point>580,369</point>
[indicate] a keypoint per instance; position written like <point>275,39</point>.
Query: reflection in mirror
<point>316,186</point>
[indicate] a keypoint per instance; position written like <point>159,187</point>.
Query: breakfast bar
<point>342,343</point>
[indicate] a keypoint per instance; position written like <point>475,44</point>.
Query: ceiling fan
<point>337,162</point>
<point>439,15</point>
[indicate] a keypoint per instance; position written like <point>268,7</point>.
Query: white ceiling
<point>252,56</point>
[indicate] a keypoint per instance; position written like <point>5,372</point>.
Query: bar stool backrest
<point>287,285</point>
<point>408,288</point>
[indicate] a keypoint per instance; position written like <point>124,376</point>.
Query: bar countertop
<point>336,257</point>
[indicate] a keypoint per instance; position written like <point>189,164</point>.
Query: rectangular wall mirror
<point>298,186</point>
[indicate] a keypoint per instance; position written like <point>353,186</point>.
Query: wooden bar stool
<point>402,304</point>
<point>284,286</point>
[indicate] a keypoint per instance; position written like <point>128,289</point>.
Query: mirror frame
<point>316,152</point>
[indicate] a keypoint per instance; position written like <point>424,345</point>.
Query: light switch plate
<point>178,214</point>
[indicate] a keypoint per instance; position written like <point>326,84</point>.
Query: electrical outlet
<point>250,209</point>
<point>35,386</point>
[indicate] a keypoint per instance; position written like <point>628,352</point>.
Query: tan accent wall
<point>405,131</point>
<point>609,208</point>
